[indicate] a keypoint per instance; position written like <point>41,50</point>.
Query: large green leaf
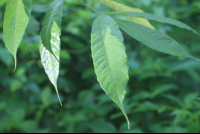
<point>50,41</point>
<point>110,59</point>
<point>15,22</point>
<point>156,18</point>
<point>153,39</point>
<point>120,7</point>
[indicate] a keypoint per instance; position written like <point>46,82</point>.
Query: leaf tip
<point>59,100</point>
<point>14,69</point>
<point>15,63</point>
<point>196,32</point>
<point>58,96</point>
<point>197,59</point>
<point>129,126</point>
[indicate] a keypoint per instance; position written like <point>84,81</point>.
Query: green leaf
<point>15,22</point>
<point>50,47</point>
<point>156,18</point>
<point>54,14</point>
<point>120,7</point>
<point>153,39</point>
<point>2,2</point>
<point>110,59</point>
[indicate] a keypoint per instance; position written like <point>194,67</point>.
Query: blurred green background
<point>161,91</point>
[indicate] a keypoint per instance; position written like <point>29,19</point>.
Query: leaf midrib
<point>107,55</point>
<point>15,22</point>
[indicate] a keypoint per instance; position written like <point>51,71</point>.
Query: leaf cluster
<point>107,42</point>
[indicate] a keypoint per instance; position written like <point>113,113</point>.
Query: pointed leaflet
<point>120,7</point>
<point>15,22</point>
<point>54,14</point>
<point>50,35</point>
<point>110,59</point>
<point>156,18</point>
<point>153,39</point>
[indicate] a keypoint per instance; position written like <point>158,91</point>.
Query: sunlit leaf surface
<point>50,41</point>
<point>15,22</point>
<point>110,59</point>
<point>120,7</point>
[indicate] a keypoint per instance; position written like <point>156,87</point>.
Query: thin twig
<point>90,7</point>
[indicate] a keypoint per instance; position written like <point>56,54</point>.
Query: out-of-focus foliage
<point>162,90</point>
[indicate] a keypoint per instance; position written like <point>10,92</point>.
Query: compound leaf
<point>153,39</point>
<point>120,7</point>
<point>15,22</point>
<point>110,59</point>
<point>50,41</point>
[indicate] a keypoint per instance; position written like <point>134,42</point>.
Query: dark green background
<point>161,91</point>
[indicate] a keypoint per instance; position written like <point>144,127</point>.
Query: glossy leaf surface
<point>15,22</point>
<point>120,7</point>
<point>153,39</point>
<point>50,36</point>
<point>54,14</point>
<point>110,59</point>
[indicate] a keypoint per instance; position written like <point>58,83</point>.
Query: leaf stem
<point>90,7</point>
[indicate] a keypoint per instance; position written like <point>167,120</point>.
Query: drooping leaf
<point>110,59</point>
<point>156,18</point>
<point>153,39</point>
<point>51,40</point>
<point>15,22</point>
<point>53,14</point>
<point>120,7</point>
